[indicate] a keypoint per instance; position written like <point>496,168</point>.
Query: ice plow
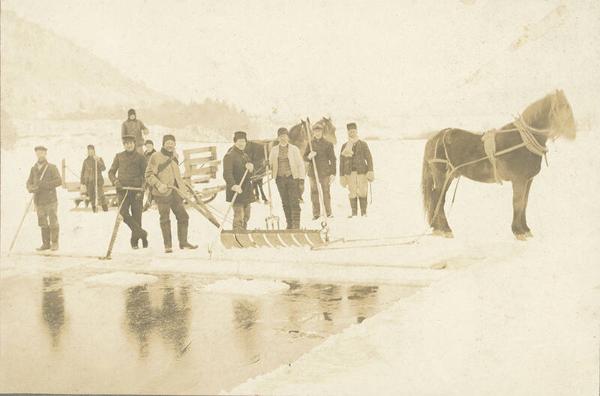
<point>273,236</point>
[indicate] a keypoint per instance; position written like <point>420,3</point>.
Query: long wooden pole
<point>27,209</point>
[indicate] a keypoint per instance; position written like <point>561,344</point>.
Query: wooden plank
<point>200,179</point>
<point>190,152</point>
<point>210,171</point>
<point>202,161</point>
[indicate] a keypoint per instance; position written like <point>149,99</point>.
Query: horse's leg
<point>526,229</point>
<point>440,223</point>
<point>519,192</point>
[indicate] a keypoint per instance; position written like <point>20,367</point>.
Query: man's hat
<point>282,131</point>
<point>168,137</point>
<point>239,135</point>
<point>91,146</point>
<point>351,125</point>
<point>130,112</point>
<point>128,138</point>
<point>149,142</point>
<point>317,127</point>
<point>40,148</point>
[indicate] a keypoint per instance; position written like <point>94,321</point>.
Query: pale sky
<point>347,57</point>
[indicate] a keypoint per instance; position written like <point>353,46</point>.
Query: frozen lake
<point>178,333</point>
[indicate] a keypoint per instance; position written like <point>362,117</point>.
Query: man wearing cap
<point>127,175</point>
<point>42,182</point>
<point>288,170</point>
<point>136,128</point>
<point>235,164</point>
<point>149,149</point>
<point>356,170</point>
<point>324,157</point>
<point>163,175</point>
<point>91,178</point>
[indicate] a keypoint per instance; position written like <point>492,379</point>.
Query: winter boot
<point>363,206</point>
<point>144,237</point>
<point>54,238</point>
<point>45,239</point>
<point>166,233</point>
<point>104,207</point>
<point>134,241</point>
<point>354,206</point>
<point>182,235</point>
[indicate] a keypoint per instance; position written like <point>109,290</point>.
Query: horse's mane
<point>533,111</point>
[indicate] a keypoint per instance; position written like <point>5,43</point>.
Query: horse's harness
<point>489,144</point>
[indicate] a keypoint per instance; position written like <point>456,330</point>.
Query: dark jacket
<point>130,166</point>
<point>44,189</point>
<point>87,171</point>
<point>361,161</point>
<point>325,159</point>
<point>234,167</point>
<point>134,128</point>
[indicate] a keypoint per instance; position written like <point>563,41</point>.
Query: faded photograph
<point>300,198</point>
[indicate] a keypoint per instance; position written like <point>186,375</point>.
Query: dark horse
<point>512,153</point>
<point>256,150</point>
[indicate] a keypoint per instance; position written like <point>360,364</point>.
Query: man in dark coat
<point>136,128</point>
<point>235,163</point>
<point>164,177</point>
<point>91,178</point>
<point>324,157</point>
<point>356,170</point>
<point>42,182</point>
<point>128,170</point>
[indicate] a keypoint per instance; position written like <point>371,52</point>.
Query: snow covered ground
<point>502,316</point>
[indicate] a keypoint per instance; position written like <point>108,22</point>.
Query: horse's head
<point>328,129</point>
<point>553,113</point>
<point>562,122</point>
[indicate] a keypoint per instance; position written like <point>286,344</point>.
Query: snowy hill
<point>43,74</point>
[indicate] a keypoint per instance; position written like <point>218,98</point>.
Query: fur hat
<point>317,127</point>
<point>282,131</point>
<point>149,142</point>
<point>40,148</point>
<point>128,138</point>
<point>351,125</point>
<point>168,137</point>
<point>130,112</point>
<point>239,135</point>
<point>91,146</point>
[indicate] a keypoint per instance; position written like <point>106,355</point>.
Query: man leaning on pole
<point>127,175</point>
<point>42,182</point>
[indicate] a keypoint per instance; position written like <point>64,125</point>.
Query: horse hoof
<point>521,237</point>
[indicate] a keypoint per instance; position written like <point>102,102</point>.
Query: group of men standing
<point>287,166</point>
<point>133,170</point>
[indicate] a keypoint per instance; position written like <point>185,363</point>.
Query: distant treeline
<point>213,115</point>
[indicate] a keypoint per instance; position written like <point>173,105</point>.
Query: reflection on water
<point>53,307</point>
<point>170,336</point>
<point>171,318</point>
<point>363,300</point>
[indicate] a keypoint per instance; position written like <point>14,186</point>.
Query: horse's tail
<point>427,181</point>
